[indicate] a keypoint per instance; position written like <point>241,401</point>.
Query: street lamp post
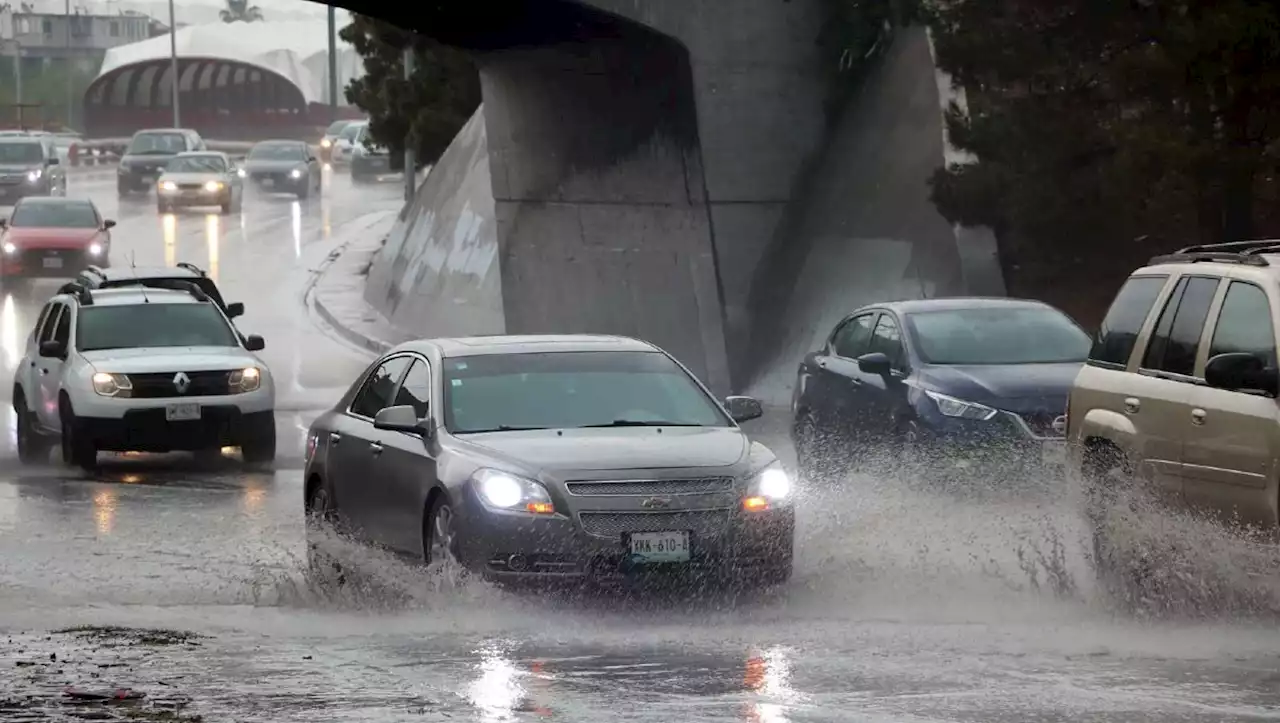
<point>173,65</point>
<point>70,68</point>
<point>333,66</point>
<point>409,176</point>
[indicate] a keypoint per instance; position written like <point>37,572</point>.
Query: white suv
<point>141,369</point>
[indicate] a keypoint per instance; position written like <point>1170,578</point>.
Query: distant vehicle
<point>149,151</point>
<point>146,370</point>
<point>282,166</point>
<point>550,458</point>
<point>201,178</point>
<point>29,166</point>
<point>369,161</point>
<point>340,153</point>
<point>99,277</point>
<point>50,237</point>
<point>330,135</point>
<point>965,385</point>
<point>63,143</point>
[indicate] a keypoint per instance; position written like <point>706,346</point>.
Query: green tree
<point>1098,122</point>
<point>427,110</point>
<point>240,11</point>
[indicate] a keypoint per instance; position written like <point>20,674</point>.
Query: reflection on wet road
<point>906,605</point>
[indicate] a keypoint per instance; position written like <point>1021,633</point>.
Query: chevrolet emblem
<point>656,503</point>
<point>181,382</point>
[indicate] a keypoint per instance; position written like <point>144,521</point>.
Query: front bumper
<point>10,192</point>
<point>48,263</point>
<point>137,179</point>
<point>1008,445</point>
<point>146,430</point>
<point>592,544</point>
<point>194,197</point>
<point>272,182</point>
<point>369,166</point>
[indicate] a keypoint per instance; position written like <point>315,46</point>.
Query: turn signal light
<point>540,508</point>
<point>755,504</point>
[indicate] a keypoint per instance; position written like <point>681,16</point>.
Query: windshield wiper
<point>635,423</point>
<point>501,428</point>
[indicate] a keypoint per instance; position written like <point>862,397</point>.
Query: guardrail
<point>107,151</point>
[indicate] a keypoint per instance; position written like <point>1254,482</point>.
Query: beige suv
<point>1181,384</point>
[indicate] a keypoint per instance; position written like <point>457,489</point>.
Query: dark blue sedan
<point>957,383</point>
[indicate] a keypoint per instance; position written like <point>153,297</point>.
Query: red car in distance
<point>53,237</point>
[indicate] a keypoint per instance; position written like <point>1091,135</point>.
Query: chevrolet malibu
<point>529,458</point>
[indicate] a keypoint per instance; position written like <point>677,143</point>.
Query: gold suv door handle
<point>1132,405</point>
<point>1197,416</point>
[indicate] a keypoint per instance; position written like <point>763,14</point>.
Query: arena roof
<point>295,49</point>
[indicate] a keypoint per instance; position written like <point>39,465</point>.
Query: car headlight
<point>295,173</point>
<point>245,380</point>
<point>95,249</point>
<point>9,248</point>
<point>33,176</point>
<point>770,487</point>
<point>213,186</point>
<point>504,491</point>
<point>959,408</point>
<point>240,172</point>
<point>112,385</point>
<point>325,143</point>
<point>168,186</point>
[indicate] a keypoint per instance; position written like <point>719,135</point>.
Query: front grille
<point>702,523</point>
<point>158,385</point>
<point>615,488</point>
<point>147,430</point>
<point>277,177</point>
<point>13,180</point>
<point>191,186</point>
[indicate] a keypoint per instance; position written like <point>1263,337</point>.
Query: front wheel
<point>260,447</point>
<point>439,533</point>
<point>33,447</point>
<point>78,450</point>
<point>322,519</point>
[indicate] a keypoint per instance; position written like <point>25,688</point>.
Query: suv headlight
<point>33,176</point>
<point>112,385</point>
<point>295,173</point>
<point>959,408</point>
<point>505,491</point>
<point>771,487</point>
<point>248,379</point>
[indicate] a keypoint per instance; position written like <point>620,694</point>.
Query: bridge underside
<point>219,98</point>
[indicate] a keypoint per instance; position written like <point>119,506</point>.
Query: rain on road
<point>906,605</point>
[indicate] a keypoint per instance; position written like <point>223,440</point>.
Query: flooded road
<point>907,604</point>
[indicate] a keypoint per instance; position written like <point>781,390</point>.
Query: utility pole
<point>173,65</point>
<point>71,65</point>
<point>17,71</point>
<point>333,66</point>
<point>409,175</point>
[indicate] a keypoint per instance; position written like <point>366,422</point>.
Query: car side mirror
<point>1240,371</point>
<point>235,309</point>
<point>108,224</point>
<point>53,349</point>
<point>743,409</point>
<point>400,418</point>
<point>4,222</point>
<point>875,363</point>
<point>253,342</point>
<point>54,161</point>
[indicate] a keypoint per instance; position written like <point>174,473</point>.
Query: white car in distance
<point>141,369</point>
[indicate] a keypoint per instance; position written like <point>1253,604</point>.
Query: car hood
<point>615,448</point>
<point>43,236</point>
<point>273,166</point>
<point>1013,387</point>
<point>189,177</point>
<point>169,359</point>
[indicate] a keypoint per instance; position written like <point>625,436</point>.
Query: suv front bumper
<point>146,430</point>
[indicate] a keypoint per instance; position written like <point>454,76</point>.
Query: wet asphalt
<point>908,604</point>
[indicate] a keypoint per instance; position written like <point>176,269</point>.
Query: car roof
<point>116,273</point>
<point>131,295</point>
<point>526,344</point>
<point>280,142</point>
<point>199,154</point>
<point>162,130</point>
<point>53,201</point>
<point>955,303</point>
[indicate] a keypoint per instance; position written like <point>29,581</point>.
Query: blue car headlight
<point>504,491</point>
<point>960,409</point>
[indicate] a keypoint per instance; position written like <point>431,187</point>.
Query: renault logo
<point>656,503</point>
<point>1060,424</point>
<point>181,382</point>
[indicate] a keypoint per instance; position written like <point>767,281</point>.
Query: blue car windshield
<point>565,390</point>
<point>997,335</point>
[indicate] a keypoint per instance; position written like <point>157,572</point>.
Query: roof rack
<point>1232,252</point>
<point>78,290</point>
<point>96,271</point>
<point>189,287</point>
<point>191,267</point>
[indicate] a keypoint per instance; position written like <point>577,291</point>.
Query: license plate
<point>268,183</point>
<point>52,262</point>
<point>1054,454</point>
<point>659,546</point>
<point>148,178</point>
<point>181,412</point>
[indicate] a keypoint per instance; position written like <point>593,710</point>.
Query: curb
<point>359,339</point>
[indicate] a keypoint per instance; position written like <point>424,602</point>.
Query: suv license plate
<point>181,412</point>
<point>659,546</point>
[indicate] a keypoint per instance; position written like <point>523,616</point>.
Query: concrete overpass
<point>664,169</point>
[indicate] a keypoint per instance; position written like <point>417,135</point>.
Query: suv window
<point>851,339</point>
<point>50,322</point>
<point>44,316</point>
<point>1244,324</point>
<point>62,332</point>
<point>1176,338</point>
<point>1119,331</point>
<point>887,340</point>
<point>415,390</point>
<point>375,395</point>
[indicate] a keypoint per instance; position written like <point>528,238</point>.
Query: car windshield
<point>20,152</point>
<point>336,127</point>
<point>57,214</point>
<point>277,152</point>
<point>350,132</point>
<point>157,144</point>
<point>197,164</point>
<point>1004,335</point>
<point>562,390</point>
<point>152,325</point>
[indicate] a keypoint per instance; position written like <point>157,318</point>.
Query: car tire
<point>164,207</point>
<point>123,191</point>
<point>77,449</point>
<point>260,447</point>
<point>33,447</point>
<point>304,191</point>
<point>227,205</point>
<point>440,532</point>
<point>322,520</point>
